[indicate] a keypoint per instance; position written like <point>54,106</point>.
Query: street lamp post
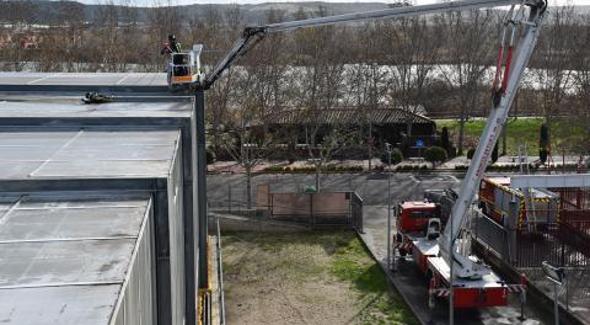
<point>248,164</point>
<point>388,151</point>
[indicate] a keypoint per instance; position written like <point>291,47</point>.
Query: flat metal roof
<point>14,106</point>
<point>83,153</point>
<point>86,81</point>
<point>65,255</point>
<point>83,78</point>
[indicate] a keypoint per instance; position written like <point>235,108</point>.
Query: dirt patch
<point>305,278</point>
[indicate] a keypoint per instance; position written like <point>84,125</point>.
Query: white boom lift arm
<point>502,100</point>
<point>252,34</point>
<point>503,95</point>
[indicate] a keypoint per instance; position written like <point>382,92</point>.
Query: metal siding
<point>176,229</point>
<point>138,294</point>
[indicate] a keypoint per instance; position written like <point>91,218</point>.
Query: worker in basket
<point>172,46</point>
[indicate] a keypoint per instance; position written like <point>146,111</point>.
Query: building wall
<point>137,300</point>
<point>177,263</point>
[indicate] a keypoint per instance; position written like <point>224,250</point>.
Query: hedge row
<point>312,169</point>
<point>532,167</point>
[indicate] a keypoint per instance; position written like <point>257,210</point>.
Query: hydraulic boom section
<point>251,35</point>
<point>502,100</point>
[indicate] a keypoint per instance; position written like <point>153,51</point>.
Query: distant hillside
<point>55,12</point>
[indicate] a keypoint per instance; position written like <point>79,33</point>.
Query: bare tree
<point>576,133</point>
<point>554,49</point>
<point>222,27</point>
<point>323,59</point>
<point>248,147</point>
<point>413,50</point>
<point>367,81</point>
<point>19,17</point>
<point>469,45</point>
<point>258,90</point>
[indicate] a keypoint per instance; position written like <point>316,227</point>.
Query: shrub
<point>543,153</point>
<point>444,138</point>
<point>435,154</point>
<point>396,156</point>
<point>210,156</point>
<point>275,169</point>
<point>544,136</point>
<point>470,153</point>
<point>495,153</point>
<point>446,143</point>
<point>452,151</point>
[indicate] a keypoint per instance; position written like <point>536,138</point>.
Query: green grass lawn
<point>352,264</point>
<point>520,131</point>
<point>328,275</point>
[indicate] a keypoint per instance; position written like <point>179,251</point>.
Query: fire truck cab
<point>414,217</point>
<point>417,219</point>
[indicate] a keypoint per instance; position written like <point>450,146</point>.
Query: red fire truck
<point>418,228</point>
<point>496,197</point>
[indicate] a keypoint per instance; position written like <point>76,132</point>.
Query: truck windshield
<point>421,214</point>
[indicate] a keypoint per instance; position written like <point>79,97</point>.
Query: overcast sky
<point>185,2</point>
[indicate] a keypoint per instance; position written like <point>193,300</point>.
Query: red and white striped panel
<point>516,288</point>
<point>441,293</point>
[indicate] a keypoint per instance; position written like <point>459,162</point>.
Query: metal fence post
<point>311,210</point>
<point>388,151</point>
<point>556,303</point>
<point>229,202</point>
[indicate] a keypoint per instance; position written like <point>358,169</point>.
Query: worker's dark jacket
<point>172,47</point>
